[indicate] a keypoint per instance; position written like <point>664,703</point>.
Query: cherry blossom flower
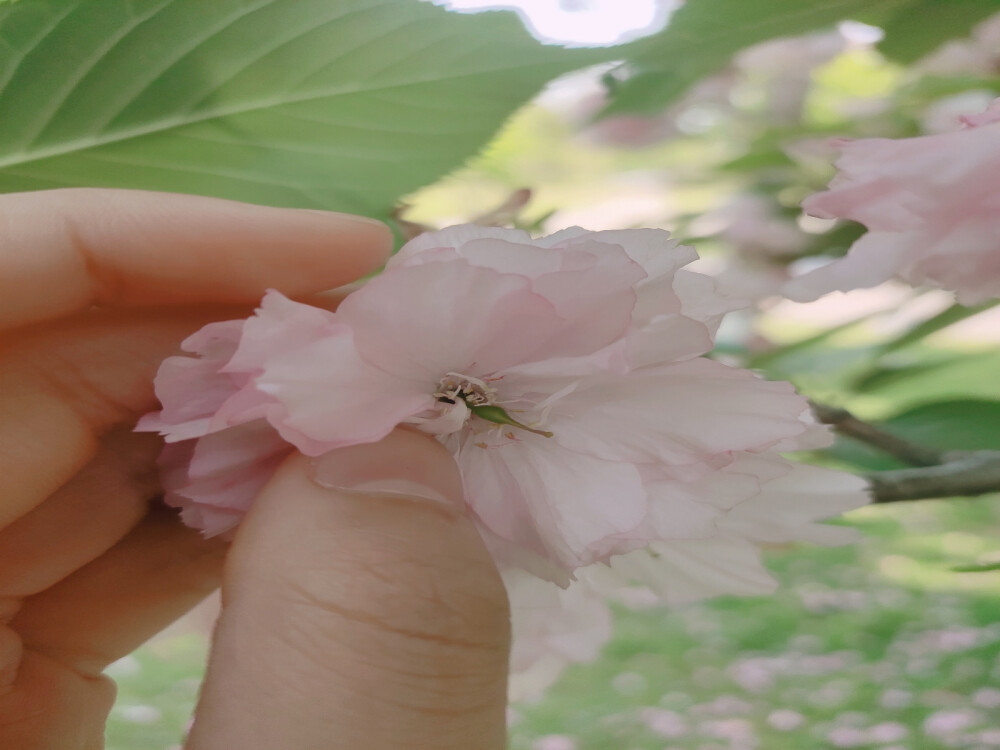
<point>932,208</point>
<point>598,447</point>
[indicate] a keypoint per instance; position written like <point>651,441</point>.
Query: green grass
<point>877,645</point>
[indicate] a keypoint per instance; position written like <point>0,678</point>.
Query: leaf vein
<point>60,98</point>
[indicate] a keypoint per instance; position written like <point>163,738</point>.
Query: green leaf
<point>704,35</point>
<point>958,424</point>
<point>942,320</point>
<point>922,26</point>
<point>884,377</point>
<point>861,457</point>
<point>767,157</point>
<point>931,87</point>
<point>766,358</point>
<point>961,376</point>
<point>335,104</point>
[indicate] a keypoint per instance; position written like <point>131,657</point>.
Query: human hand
<point>341,610</point>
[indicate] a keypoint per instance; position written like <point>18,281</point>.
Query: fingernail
<point>404,463</point>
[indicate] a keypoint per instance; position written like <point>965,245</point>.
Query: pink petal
<point>561,505</point>
<point>989,117</point>
<point>931,206</point>
<point>688,570</point>
<point>327,397</point>
<point>552,628</point>
<point>214,479</point>
<point>653,249</point>
<point>279,325</point>
<point>419,249</point>
<point>787,507</point>
<point>471,320</point>
<point>191,389</point>
<point>676,414</point>
<point>872,260</point>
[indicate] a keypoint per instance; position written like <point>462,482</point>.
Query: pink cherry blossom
<point>598,447</point>
<point>932,208</point>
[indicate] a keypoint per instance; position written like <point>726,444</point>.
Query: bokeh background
<point>885,644</point>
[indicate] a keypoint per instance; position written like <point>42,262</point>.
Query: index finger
<point>65,250</point>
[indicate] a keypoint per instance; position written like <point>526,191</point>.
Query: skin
<point>350,618</point>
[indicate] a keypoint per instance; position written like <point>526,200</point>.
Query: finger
<point>64,385</point>
<point>65,250</point>
<point>374,614</point>
<point>52,695</point>
<point>50,707</point>
<point>112,605</point>
<point>83,519</point>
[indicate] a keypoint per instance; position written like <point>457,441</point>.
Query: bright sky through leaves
<point>588,22</point>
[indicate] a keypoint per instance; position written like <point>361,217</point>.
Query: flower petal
<point>279,325</point>
<point>214,479</point>
<point>788,507</point>
<point>687,570</point>
<point>561,505</point>
<point>872,260</point>
<point>191,389</point>
<point>326,396</point>
<point>552,628</point>
<point>471,320</point>
<point>420,249</point>
<point>676,414</point>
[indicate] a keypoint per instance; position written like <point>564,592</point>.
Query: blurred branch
<point>967,475</point>
<point>936,474</point>
<point>847,424</point>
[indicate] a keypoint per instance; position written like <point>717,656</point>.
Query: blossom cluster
<point>600,450</point>
<point>932,208</point>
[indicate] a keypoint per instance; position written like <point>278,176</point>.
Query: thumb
<point>360,610</point>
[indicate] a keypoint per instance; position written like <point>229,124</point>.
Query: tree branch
<point>970,475</point>
<point>847,424</point>
<point>936,474</point>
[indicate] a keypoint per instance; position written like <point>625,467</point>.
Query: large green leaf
<point>336,104</point>
<point>704,35</point>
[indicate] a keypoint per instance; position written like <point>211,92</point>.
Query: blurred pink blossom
<point>945,723</point>
<point>932,208</point>
<point>785,720</point>
<point>664,723</point>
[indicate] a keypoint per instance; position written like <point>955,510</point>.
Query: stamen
<point>481,400</point>
<point>456,387</point>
